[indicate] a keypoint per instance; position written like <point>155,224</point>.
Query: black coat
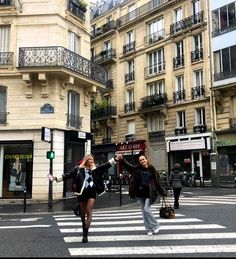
<point>78,175</point>
<point>154,182</point>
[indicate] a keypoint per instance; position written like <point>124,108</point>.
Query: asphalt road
<point>203,212</point>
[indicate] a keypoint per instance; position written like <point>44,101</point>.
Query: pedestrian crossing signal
<point>50,154</point>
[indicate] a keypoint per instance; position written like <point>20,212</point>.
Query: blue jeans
<point>150,222</point>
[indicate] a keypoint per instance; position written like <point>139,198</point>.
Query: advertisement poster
<point>17,168</point>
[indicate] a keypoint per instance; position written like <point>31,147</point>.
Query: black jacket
<point>154,182</point>
<point>78,175</point>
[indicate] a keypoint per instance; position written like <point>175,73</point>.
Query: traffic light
<point>50,154</point>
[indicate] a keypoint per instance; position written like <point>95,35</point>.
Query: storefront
<point>16,159</point>
<point>192,152</point>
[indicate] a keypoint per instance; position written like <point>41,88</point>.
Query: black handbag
<point>166,211</point>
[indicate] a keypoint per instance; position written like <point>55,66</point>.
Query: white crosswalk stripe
<point>120,232</point>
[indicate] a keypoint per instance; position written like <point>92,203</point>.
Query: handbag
<point>166,211</point>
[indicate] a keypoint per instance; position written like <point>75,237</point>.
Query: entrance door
<point>197,164</point>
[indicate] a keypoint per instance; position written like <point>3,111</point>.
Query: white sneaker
<point>155,231</point>
<point>149,233</point>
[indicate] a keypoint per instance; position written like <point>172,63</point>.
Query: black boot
<point>85,235</point>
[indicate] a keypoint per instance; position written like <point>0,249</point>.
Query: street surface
<point>205,226</point>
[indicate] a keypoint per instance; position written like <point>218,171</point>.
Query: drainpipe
<point>212,99</point>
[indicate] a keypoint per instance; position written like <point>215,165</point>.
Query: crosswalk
<point>120,232</point>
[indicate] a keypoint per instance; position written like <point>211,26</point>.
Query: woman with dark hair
<point>144,185</point>
<point>89,182</point>
<point>176,182</point>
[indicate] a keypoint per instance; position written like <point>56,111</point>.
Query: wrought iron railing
<point>57,56</point>
<point>3,118</point>
<point>104,55</point>
<point>6,2</point>
<point>76,10</point>
<point>180,130</point>
<point>197,55</point>
<point>155,69</point>
<point>179,96</point>
<point>130,47</point>
<point>153,100</point>
<point>154,37</point>
<point>6,58</point>
<point>225,74</point>
<point>199,128</point>
<point>103,112</point>
<point>74,121</point>
<point>140,11</point>
<point>129,77</point>
<point>197,91</point>
<point>186,23</point>
<point>130,107</point>
<point>178,61</point>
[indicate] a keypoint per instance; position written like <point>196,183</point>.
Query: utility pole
<point>50,155</point>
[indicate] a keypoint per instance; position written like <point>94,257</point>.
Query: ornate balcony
<point>178,61</point>
<point>180,130</point>
<point>130,107</point>
<point>153,100</point>
<point>76,10</point>
<point>60,57</point>
<point>179,96</point>
<point>154,37</point>
<point>199,128</point>
<point>188,22</point>
<point>100,113</point>
<point>128,48</point>
<point>6,58</point>
<point>197,55</point>
<point>3,118</point>
<point>198,91</point>
<point>129,77</point>
<point>105,57</point>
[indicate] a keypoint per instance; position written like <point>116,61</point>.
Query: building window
<point>156,88</point>
<point>156,62</point>
<point>225,63</point>
<point>131,127</point>
<point>4,38</point>
<point>130,104</point>
<point>156,30</point>
<point>3,105</point>
<point>200,116</point>
<point>180,119</point>
<point>156,123</point>
<point>196,7</point>
<point>74,42</point>
<point>224,19</point>
<point>73,118</point>
<point>129,76</point>
<point>179,58</point>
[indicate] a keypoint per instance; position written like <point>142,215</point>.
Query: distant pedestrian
<point>89,182</point>
<point>176,180</point>
<point>144,184</point>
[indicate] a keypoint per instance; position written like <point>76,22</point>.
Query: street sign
<point>46,134</point>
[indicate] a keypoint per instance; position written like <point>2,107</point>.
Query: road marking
<point>138,250</point>
<point>28,226</point>
<point>138,228</point>
<point>178,236</point>
<point>128,222</point>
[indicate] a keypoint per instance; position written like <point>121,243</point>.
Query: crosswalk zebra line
<point>25,226</point>
<point>141,250</point>
<point>178,236</point>
<point>141,228</point>
<point>128,222</point>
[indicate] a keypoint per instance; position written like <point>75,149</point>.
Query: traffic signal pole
<point>50,196</point>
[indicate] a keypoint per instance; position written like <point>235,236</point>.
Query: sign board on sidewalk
<point>46,134</point>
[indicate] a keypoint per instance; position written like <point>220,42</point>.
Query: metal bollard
<point>25,191</point>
